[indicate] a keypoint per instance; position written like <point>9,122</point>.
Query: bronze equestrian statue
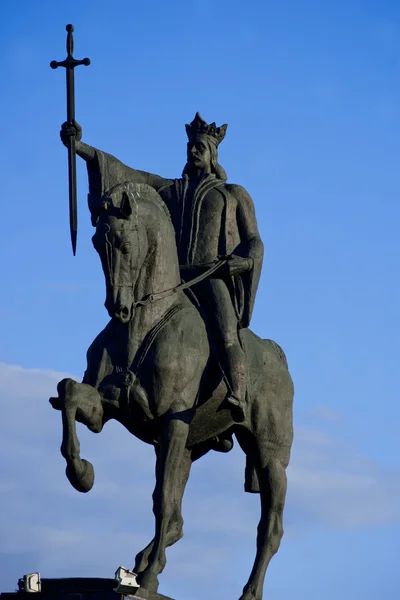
<point>211,218</point>
<point>177,364</point>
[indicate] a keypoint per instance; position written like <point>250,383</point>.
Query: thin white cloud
<point>43,516</point>
<point>16,382</point>
<point>326,414</point>
<point>336,487</point>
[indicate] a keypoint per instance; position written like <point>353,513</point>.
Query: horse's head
<point>120,246</point>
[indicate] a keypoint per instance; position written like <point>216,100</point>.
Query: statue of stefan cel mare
<point>177,364</point>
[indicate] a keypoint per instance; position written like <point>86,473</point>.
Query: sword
<point>70,63</point>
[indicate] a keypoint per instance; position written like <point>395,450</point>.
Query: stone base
<point>81,588</point>
<point>143,594</point>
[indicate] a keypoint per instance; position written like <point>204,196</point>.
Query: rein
<point>150,298</point>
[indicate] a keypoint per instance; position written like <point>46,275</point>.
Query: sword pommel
<point>70,40</point>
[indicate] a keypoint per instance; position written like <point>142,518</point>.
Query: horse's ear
<point>126,206</point>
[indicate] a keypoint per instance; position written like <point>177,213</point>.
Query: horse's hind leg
<point>82,402</point>
<point>270,463</point>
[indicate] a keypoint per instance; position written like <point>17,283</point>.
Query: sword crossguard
<point>70,62</point>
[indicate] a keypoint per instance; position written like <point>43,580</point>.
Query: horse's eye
<point>125,248</point>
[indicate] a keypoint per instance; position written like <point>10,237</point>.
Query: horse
<point>154,370</point>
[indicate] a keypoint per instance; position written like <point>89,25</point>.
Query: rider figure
<point>211,219</point>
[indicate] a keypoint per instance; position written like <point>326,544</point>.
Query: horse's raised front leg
<point>175,526</point>
<point>81,402</point>
<point>172,450</point>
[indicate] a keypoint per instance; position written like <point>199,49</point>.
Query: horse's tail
<point>251,482</point>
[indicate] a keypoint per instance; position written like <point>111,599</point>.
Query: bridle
<point>211,268</point>
<point>148,299</point>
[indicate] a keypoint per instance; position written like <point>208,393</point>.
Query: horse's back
<point>270,396</point>
<point>270,389</point>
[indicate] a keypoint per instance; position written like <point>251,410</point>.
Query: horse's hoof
<point>141,562</point>
<point>148,581</point>
<point>249,595</point>
<point>84,480</point>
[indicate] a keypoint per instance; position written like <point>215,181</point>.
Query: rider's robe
<point>211,219</point>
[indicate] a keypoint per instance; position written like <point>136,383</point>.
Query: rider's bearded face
<point>199,154</point>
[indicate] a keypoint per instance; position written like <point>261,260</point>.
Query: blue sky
<point>311,93</point>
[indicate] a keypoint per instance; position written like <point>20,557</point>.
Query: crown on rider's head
<point>199,127</point>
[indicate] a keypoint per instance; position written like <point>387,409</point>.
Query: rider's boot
<point>237,407</point>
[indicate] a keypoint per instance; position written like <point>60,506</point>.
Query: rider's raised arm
<point>104,170</point>
<point>84,151</point>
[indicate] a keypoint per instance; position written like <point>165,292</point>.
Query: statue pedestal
<point>80,588</point>
<point>143,594</point>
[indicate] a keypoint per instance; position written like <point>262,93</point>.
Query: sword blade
<point>73,213</point>
<point>70,63</point>
<point>73,210</point>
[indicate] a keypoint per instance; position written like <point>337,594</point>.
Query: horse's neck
<point>160,269</point>
<point>159,273</point>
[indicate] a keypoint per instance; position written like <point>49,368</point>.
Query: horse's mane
<point>153,196</point>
